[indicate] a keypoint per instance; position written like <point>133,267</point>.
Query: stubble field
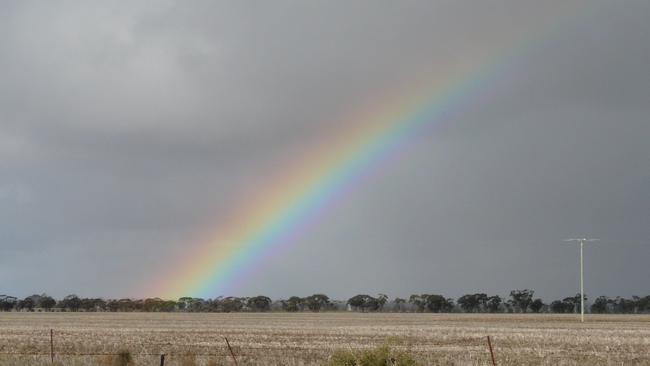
<point>309,339</point>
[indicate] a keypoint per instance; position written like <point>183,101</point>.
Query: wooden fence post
<point>491,351</point>
<point>162,360</point>
<point>52,345</point>
<point>231,352</point>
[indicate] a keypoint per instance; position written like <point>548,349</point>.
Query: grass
<point>306,339</point>
<point>380,356</point>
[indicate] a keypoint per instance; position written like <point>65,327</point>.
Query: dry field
<point>308,339</point>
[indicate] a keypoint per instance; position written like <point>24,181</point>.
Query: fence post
<point>231,352</point>
<point>491,351</point>
<point>52,345</point>
<point>162,360</point>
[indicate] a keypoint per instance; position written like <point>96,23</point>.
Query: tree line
<point>519,301</point>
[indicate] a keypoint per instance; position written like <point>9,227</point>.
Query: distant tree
<point>537,305</point>
<point>433,303</point>
<point>130,305</point>
<point>643,304</point>
<point>47,302</point>
<point>493,303</point>
<point>86,304</point>
<point>26,304</point>
<point>522,299</point>
<point>439,304</point>
<point>337,305</point>
<point>152,304</point>
<point>231,304</point>
<point>317,302</point>
<point>183,303</point>
<point>625,306</point>
<point>127,305</point>
<point>509,306</point>
<point>567,305</point>
<point>138,304</point>
<point>399,304</point>
<point>259,303</point>
<point>364,303</point>
<point>294,303</point>
<point>466,303</point>
<point>93,304</point>
<point>572,303</point>
<point>482,301</point>
<point>211,305</point>
<point>168,306</point>
<point>357,301</point>
<point>193,304</point>
<point>557,306</point>
<point>419,302</point>
<point>35,299</point>
<point>7,303</point>
<point>381,301</point>
<point>600,305</point>
<point>71,302</point>
<point>472,303</point>
<point>111,305</point>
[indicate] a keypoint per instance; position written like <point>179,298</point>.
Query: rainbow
<point>326,173</point>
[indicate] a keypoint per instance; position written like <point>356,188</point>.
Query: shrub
<point>188,360</point>
<point>380,356</point>
<point>343,358</point>
<point>123,358</point>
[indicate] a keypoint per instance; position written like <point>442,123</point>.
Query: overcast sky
<point>129,130</point>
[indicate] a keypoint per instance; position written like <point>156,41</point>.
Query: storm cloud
<point>129,131</point>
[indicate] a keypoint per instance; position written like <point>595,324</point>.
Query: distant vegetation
<point>519,301</point>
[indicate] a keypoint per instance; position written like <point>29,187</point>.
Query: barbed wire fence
<point>232,352</point>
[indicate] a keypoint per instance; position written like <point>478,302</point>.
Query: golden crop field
<point>309,339</point>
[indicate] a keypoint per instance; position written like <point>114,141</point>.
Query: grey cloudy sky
<point>128,129</point>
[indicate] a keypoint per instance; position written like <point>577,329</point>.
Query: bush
<point>123,358</point>
<point>381,356</point>
<point>343,358</point>
<point>188,360</point>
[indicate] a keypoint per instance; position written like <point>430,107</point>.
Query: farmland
<point>310,338</point>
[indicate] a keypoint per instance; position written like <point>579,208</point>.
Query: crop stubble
<point>308,339</point>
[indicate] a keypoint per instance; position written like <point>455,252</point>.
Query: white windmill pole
<point>582,242</point>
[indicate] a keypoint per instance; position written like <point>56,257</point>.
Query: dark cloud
<point>126,132</point>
